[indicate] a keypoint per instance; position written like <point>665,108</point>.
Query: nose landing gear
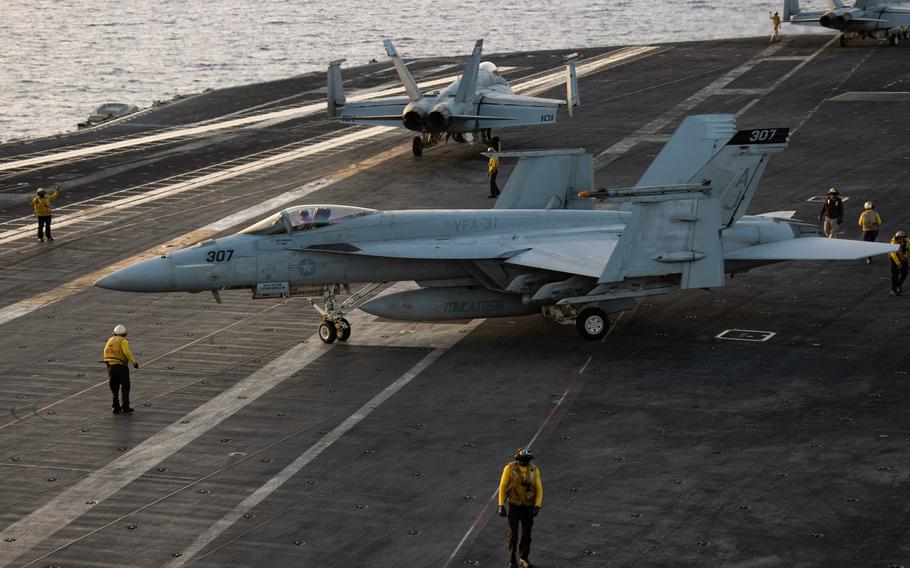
<point>334,325</point>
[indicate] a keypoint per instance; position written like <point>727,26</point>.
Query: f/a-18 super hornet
<point>877,19</point>
<point>465,111</point>
<point>543,248</point>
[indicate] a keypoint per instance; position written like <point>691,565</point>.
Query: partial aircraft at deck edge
<point>542,249</point>
<point>465,111</point>
<point>877,19</point>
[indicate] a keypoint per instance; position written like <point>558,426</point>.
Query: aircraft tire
<point>843,40</point>
<point>893,40</point>
<point>496,143</point>
<point>344,332</point>
<point>417,146</point>
<point>327,332</point>
<point>592,323</point>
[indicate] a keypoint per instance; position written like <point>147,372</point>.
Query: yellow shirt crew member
<point>520,485</point>
<point>42,202</point>
<point>117,355</point>
<point>870,220</point>
<point>117,351</point>
<point>899,264</point>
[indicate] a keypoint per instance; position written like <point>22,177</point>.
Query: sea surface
<point>62,58</point>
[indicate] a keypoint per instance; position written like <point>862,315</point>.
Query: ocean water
<point>62,58</point>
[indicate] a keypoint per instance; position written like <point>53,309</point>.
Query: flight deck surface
<point>254,444</point>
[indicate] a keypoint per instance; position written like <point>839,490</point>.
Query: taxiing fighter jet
<point>544,248</point>
<point>876,19</point>
<point>465,111</point>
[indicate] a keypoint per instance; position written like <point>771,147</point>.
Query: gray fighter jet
<point>465,111</point>
<point>544,248</point>
<point>875,19</point>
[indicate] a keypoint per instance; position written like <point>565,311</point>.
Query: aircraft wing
<point>376,112</point>
<point>504,99</point>
<point>811,248</point>
<point>586,258</point>
<point>584,254</point>
<point>500,109</point>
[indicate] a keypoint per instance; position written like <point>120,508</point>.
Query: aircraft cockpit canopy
<point>307,217</point>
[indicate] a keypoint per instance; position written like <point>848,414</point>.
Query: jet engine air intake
<point>439,119</point>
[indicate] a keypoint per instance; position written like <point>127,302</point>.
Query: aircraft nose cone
<point>153,275</point>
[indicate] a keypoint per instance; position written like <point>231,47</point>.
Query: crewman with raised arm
<point>42,204</point>
<point>520,485</point>
<point>117,356</point>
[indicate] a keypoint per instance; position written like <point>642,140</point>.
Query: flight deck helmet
<point>900,235</point>
<point>40,192</point>
<point>868,205</point>
<point>832,191</point>
<point>524,455</point>
<point>119,329</point>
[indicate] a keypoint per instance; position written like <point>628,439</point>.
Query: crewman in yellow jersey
<point>775,26</point>
<point>870,222</point>
<point>520,485</point>
<point>118,357</point>
<point>492,171</point>
<point>899,263</point>
<point>42,204</point>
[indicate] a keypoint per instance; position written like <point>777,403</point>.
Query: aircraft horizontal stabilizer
<point>811,248</point>
<point>482,117</point>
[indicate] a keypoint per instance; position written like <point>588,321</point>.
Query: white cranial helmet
<point>119,329</point>
<point>868,205</point>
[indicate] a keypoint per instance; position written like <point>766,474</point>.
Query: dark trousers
<point>898,275</point>
<point>524,515</point>
<point>494,189</point>
<point>120,383</point>
<point>44,226</point>
<point>870,236</point>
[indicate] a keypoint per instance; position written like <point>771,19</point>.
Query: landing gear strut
<point>334,325</point>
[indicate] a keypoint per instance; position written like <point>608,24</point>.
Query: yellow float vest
<point>522,488</point>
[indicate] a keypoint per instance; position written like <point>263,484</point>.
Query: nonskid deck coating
<point>671,448</point>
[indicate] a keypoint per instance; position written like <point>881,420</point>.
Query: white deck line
<point>324,443</point>
<point>286,114</point>
<point>101,484</point>
<point>537,85</point>
<point>717,87</point>
<point>38,301</point>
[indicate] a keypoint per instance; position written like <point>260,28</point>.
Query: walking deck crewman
<point>870,222</point>
<point>521,486</point>
<point>117,355</point>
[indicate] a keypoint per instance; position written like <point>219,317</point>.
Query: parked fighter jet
<point>465,111</point>
<point>542,249</point>
<point>878,19</point>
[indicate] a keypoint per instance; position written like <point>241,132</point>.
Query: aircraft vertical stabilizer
<point>736,169</point>
<point>791,8</point>
<point>467,87</point>
<point>677,230</point>
<point>693,144</point>
<point>334,88</point>
<point>547,179</point>
<point>410,85</point>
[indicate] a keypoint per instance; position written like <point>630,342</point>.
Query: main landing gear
<point>334,326</point>
<point>425,140</point>
<point>592,323</point>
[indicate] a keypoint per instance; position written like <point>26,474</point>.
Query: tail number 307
<point>219,255</point>
<point>762,135</point>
